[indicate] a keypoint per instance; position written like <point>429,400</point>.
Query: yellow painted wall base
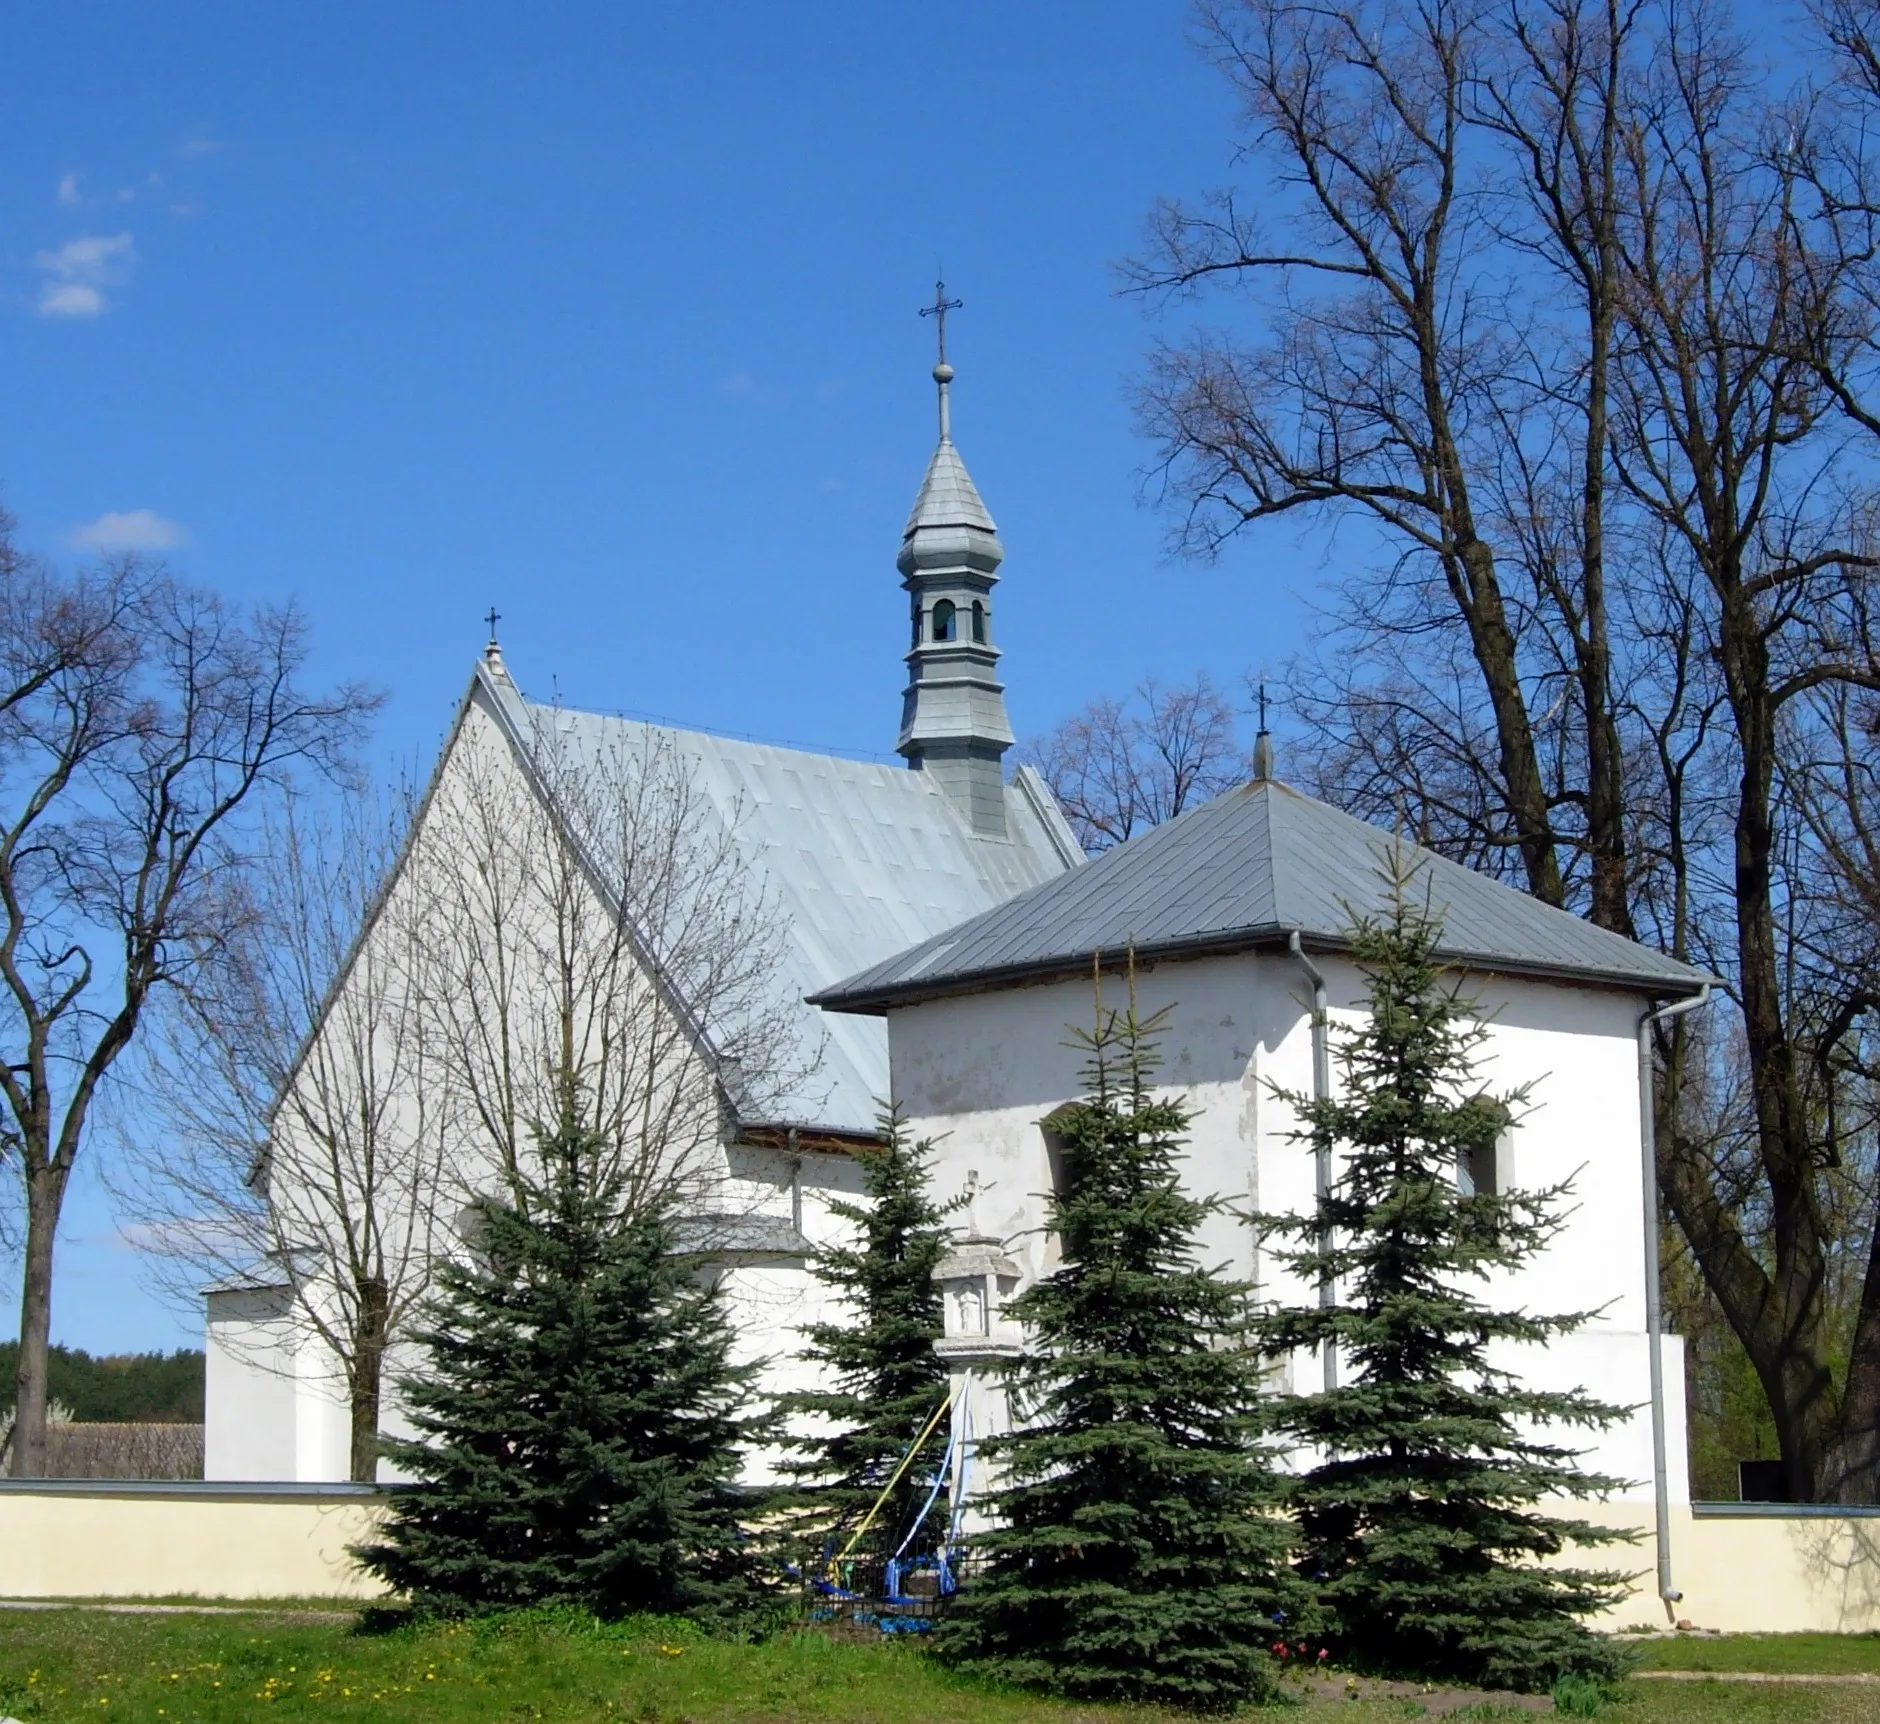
<point>1784,1573</point>
<point>74,1541</point>
<point>1769,1574</point>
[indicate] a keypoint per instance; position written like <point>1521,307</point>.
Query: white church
<point>936,929</point>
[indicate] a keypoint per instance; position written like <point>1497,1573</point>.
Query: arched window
<point>916,624</point>
<point>943,620</point>
<point>979,622</point>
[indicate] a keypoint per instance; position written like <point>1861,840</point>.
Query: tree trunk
<point>1785,1333</point>
<point>1493,642</point>
<point>44,1189</point>
<point>1610,905</point>
<point>1854,1461</point>
<point>368,1367</point>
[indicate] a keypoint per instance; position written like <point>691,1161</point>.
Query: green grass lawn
<point>216,1669</point>
<point>1817,1654</point>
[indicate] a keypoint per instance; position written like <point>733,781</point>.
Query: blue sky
<point>604,315</point>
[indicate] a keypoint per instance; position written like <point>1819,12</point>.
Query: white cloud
<point>128,530</point>
<point>78,273</point>
<point>200,146</point>
<point>69,299</point>
<point>68,189</point>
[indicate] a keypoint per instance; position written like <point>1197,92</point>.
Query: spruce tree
<point>1422,1521</point>
<point>578,1417</point>
<point>883,1380</point>
<point>1135,1555</point>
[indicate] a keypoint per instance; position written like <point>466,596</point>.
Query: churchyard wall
<point>69,1538</point>
<point>1749,1568</point>
<point>1743,1568</point>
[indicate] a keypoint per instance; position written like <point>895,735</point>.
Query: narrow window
<point>1481,1169</point>
<point>1475,1171</point>
<point>916,623</point>
<point>1057,1180</point>
<point>943,620</point>
<point>979,622</point>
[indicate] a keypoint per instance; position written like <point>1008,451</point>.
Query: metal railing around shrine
<point>904,1597</point>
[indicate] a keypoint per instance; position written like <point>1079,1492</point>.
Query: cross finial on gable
<point>493,653</point>
<point>1262,743</point>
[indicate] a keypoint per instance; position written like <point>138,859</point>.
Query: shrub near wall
<point>124,1451</point>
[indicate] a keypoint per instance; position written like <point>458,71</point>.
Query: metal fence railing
<point>906,1596</point>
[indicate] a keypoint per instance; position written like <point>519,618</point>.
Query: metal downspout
<point>796,1181</point>
<point>1321,1144</point>
<point>1654,1303</point>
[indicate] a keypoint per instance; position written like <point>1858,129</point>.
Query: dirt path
<point>284,1615</point>
<point>1854,1678</point>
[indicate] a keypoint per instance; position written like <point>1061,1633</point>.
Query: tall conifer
<point>578,1417</point>
<point>1134,1555</point>
<point>882,1379</point>
<point>1423,1520</point>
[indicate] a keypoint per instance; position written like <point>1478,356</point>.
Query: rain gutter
<point>1321,1140</point>
<point>1654,1301</point>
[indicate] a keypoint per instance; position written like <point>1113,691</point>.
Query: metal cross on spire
<point>938,311</point>
<point>942,372</point>
<point>493,618</point>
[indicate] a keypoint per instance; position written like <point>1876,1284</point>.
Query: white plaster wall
<point>772,1302</point>
<point>248,1392</point>
<point>281,1412</point>
<point>978,1074</point>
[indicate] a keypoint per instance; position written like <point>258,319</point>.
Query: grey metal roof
<point>744,1237</point>
<point>863,859</point>
<point>947,496</point>
<point>268,1280</point>
<point>1242,871</point>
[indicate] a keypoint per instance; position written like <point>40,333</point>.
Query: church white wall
<point>979,1073</point>
<point>248,1388</point>
<point>772,1302</point>
<point>276,1409</point>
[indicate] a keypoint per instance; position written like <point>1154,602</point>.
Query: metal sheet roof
<point>947,496</point>
<point>864,860</point>
<point>1241,871</point>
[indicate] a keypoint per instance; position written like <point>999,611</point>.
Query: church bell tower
<point>953,721</point>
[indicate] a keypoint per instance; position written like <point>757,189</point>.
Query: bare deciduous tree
<point>1384,383</point>
<point>141,724</point>
<point>565,928</point>
<point>1568,303</point>
<point>303,1111</point>
<point>596,939</point>
<point>1122,765</point>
